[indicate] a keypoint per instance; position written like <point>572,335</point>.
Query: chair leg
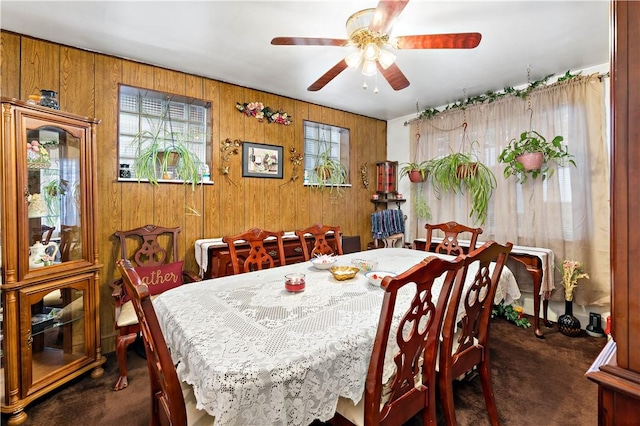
<point>487,390</point>
<point>429,417</point>
<point>122,342</point>
<point>445,385</point>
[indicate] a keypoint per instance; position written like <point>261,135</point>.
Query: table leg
<point>536,275</point>
<point>534,267</point>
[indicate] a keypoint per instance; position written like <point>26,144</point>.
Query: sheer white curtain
<point>568,213</point>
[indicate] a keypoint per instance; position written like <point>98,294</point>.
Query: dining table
<point>257,354</point>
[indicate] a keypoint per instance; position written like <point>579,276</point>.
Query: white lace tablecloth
<point>256,354</point>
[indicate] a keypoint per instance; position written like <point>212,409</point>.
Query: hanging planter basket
<point>324,174</point>
<point>531,160</point>
<point>466,170</point>
<point>172,158</point>
<point>416,176</point>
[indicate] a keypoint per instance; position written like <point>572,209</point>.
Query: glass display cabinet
<point>50,287</point>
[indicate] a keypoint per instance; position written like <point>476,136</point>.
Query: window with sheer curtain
<point>569,212</point>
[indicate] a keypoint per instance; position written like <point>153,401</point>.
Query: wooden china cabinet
<point>49,281</point>
<point>617,368</point>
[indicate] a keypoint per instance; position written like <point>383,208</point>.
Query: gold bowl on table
<point>342,273</point>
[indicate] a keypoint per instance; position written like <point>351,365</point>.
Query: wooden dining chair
<point>465,343</point>
<point>70,243</point>
<point>152,250</point>
<point>42,234</point>
<point>449,244</point>
<point>320,245</point>
<point>258,257</point>
<point>172,402</point>
<point>411,390</point>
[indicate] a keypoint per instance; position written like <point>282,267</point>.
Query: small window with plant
<point>326,156</point>
<point>163,138</point>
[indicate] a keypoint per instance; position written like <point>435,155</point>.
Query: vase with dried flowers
<point>572,271</point>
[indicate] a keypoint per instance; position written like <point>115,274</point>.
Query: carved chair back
<point>411,390</point>
<point>449,244</point>
<point>320,245</point>
<point>258,257</point>
<point>70,243</point>
<point>465,343</point>
<point>149,245</point>
<point>152,246</point>
<point>42,234</point>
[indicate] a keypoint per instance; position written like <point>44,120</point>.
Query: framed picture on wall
<point>262,161</point>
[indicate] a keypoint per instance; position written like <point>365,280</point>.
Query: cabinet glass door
<point>53,194</point>
<point>55,336</point>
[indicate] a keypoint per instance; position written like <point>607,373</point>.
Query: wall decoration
<point>490,97</point>
<point>364,174</point>
<point>228,148</point>
<point>296,159</point>
<point>263,161</point>
<point>259,111</point>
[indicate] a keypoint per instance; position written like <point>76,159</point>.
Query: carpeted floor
<point>536,382</point>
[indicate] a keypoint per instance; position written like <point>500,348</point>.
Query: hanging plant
<point>53,193</point>
<point>163,153</point>
<point>416,172</point>
<point>515,156</point>
<point>259,111</point>
<point>462,171</point>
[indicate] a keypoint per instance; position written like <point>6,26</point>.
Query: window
<point>324,141</point>
<point>144,113</point>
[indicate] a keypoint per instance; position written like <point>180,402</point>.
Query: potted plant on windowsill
<point>416,172</point>
<point>516,156</point>
<point>162,154</point>
<point>460,171</point>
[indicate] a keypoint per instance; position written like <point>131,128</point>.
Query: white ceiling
<point>230,41</point>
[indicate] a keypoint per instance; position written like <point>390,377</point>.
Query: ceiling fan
<point>369,31</point>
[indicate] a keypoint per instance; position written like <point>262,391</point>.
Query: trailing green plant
<point>156,149</point>
<point>461,171</point>
<point>422,167</point>
<point>330,173</point>
<point>490,97</point>
<point>421,207</point>
<point>529,142</point>
<point>511,314</point>
<point>52,193</point>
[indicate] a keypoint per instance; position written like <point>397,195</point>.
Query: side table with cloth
<point>257,354</point>
<point>539,262</point>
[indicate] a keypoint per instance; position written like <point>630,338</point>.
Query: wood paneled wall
<point>87,84</point>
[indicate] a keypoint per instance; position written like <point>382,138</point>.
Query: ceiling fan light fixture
<point>359,21</point>
<point>371,51</point>
<point>354,59</point>
<point>386,58</point>
<point>369,68</point>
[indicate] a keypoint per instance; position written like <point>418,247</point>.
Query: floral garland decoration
<point>490,97</point>
<point>259,111</point>
<point>572,271</point>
